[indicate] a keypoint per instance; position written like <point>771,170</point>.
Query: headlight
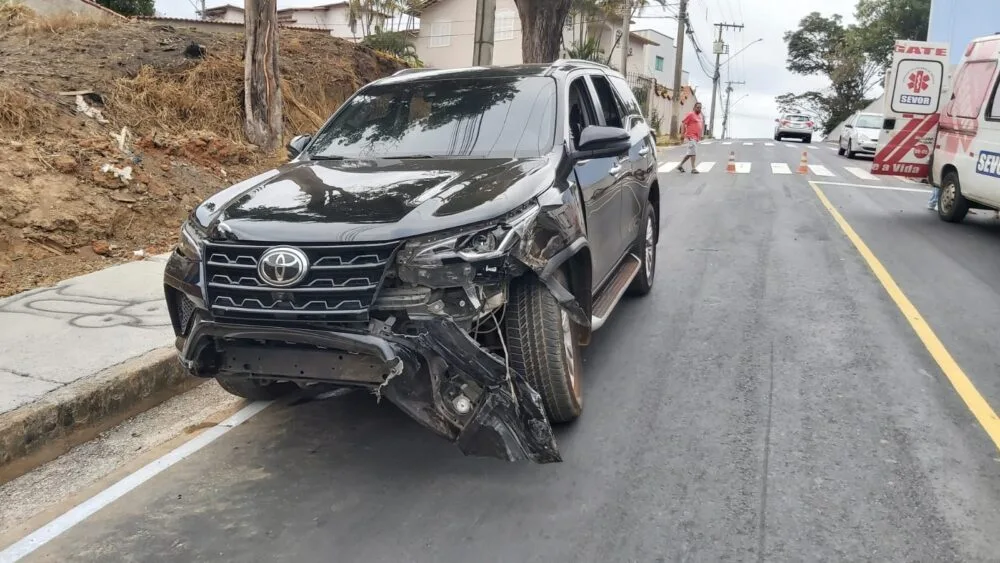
<point>189,244</point>
<point>445,259</point>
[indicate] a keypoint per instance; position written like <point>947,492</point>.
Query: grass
<point>22,111</point>
<point>17,16</point>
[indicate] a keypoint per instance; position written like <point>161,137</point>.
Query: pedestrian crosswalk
<point>785,168</point>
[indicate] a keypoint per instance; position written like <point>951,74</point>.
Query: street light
<point>741,50</point>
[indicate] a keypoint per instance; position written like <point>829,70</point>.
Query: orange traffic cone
<point>731,167</point>
<point>804,164</point>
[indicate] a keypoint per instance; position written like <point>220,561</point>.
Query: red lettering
<point>941,52</point>
<point>913,50</point>
<point>900,48</point>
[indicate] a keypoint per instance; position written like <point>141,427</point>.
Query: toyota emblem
<point>282,266</point>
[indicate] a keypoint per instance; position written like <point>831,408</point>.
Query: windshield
<point>506,117</point>
<point>869,122</point>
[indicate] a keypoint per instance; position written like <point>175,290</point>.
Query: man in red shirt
<point>692,126</point>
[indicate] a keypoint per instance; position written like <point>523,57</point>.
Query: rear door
<point>914,85</point>
<point>600,181</point>
<point>642,155</point>
<point>988,157</point>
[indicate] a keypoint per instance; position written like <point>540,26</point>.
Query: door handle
<point>615,169</point>
<point>643,151</point>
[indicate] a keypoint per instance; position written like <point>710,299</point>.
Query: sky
<point>761,66</point>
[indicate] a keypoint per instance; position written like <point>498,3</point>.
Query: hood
<point>372,200</point>
<point>868,132</point>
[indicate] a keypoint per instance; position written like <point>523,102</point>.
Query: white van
<point>966,159</point>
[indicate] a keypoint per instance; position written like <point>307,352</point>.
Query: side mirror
<point>297,145</point>
<point>602,142</point>
<point>848,127</point>
<point>777,120</point>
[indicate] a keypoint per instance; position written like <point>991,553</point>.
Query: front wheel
<point>953,206</point>
<point>645,248</point>
<point>840,147</point>
<point>850,150</point>
<point>542,345</point>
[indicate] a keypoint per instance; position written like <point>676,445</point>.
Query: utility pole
<point>725,113</point>
<point>482,46</point>
<point>675,109</point>
<point>720,49</point>
<point>626,39</point>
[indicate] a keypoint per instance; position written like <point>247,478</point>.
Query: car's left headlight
<point>446,259</point>
<point>189,243</point>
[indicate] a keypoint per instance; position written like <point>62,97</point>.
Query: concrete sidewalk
<point>82,355</point>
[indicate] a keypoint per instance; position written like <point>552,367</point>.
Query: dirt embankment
<point>111,132</point>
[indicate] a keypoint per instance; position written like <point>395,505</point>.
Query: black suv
<point>448,240</point>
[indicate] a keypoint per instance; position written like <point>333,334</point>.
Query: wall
<point>231,15</point>
<point>664,107</point>
<point>958,22</point>
<point>666,50</point>
<point>457,52</point>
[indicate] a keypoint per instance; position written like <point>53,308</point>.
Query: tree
<point>130,7</point>
<point>262,93</point>
<point>395,43</point>
<point>882,22</point>
<point>541,28</point>
<point>854,58</point>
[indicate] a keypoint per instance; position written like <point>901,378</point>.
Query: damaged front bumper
<point>436,373</point>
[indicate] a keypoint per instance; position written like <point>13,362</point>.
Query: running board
<point>613,292</point>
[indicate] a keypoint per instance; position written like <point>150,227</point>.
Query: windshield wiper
<point>414,156</point>
<point>326,157</point>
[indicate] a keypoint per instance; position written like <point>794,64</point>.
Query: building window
<point>659,64</point>
<point>504,27</point>
<point>440,34</point>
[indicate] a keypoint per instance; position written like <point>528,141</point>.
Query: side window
<point>581,109</point>
<point>629,102</point>
<point>609,105</point>
<point>994,107</point>
<point>440,34</point>
<point>970,89</point>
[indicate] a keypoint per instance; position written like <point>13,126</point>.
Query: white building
<point>660,58</point>
<point>226,13</point>
<point>447,29</point>
<point>334,17</point>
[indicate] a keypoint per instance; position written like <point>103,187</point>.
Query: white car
<point>860,134</point>
<point>794,125</point>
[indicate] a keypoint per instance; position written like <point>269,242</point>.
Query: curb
<point>39,432</point>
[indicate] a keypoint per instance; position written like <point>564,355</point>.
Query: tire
<point>255,389</point>
<point>850,154</point>
<point>807,140</point>
<point>953,206</point>
<point>777,137</point>
<point>542,344</point>
<point>645,249</point>
<point>840,147</point>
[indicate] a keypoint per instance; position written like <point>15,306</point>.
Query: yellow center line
<point>981,409</point>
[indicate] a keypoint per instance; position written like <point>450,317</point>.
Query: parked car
<point>794,125</point>
<point>860,134</point>
<point>448,240</point>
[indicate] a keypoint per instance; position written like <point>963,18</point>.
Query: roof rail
<point>580,62</point>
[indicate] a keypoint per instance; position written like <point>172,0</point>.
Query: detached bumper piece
<point>505,417</point>
<point>436,374</point>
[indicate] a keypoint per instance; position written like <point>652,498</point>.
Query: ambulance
<point>945,126</point>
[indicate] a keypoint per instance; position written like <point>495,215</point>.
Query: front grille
<point>341,285</point>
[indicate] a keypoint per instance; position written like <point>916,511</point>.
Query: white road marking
<point>87,508</point>
<point>742,167</point>
<point>780,168</point>
<point>820,170</point>
<point>768,144</point>
<point>860,173</point>
<point>747,144</point>
<point>870,187</point>
<point>727,143</point>
<point>813,147</point>
<point>832,149</point>
<point>668,166</point>
<point>706,142</point>
<point>705,167</point>
<point>789,145</point>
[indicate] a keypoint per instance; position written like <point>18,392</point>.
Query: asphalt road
<point>768,402</point>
